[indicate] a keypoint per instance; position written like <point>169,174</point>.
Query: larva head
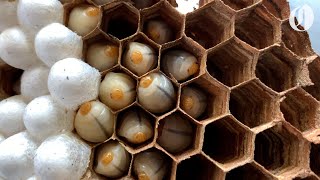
<point>143,176</point>
<point>139,137</point>
<point>187,103</point>
<point>92,11</point>
<point>194,68</point>
<point>116,94</point>
<point>154,33</point>
<point>136,57</point>
<point>112,51</point>
<point>107,158</point>
<point>85,108</point>
<point>146,81</point>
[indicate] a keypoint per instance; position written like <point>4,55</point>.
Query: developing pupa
<point>150,165</point>
<point>136,127</point>
<point>180,64</point>
<point>156,93</point>
<point>117,90</point>
<point>112,160</point>
<point>83,19</point>
<point>139,58</point>
<point>159,31</point>
<point>175,134</point>
<point>102,56</point>
<point>193,101</point>
<point>94,121</point>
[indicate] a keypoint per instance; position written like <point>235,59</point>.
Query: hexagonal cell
<point>232,62</point>
<point>315,158</point>
<point>281,149</point>
<point>258,28</point>
<point>198,167</point>
<point>300,109</point>
<point>279,8</point>
<point>216,98</point>
<point>228,142</point>
<point>101,52</point>
<point>9,81</point>
<point>278,68</point>
<point>250,171</point>
<point>314,70</point>
<point>217,16</point>
<point>142,58</point>
<point>240,4</point>
<point>120,20</point>
<point>171,59</point>
<point>298,42</point>
<point>164,13</point>
<point>252,104</point>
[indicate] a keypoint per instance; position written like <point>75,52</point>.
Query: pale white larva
<point>150,165</point>
<point>83,19</point>
<point>193,101</point>
<point>155,88</point>
<point>72,82</point>
<point>55,42</point>
<point>62,156</point>
<point>94,121</point>
<point>180,64</point>
<point>136,127</point>
<point>159,31</point>
<point>102,56</point>
<point>8,16</point>
<point>117,90</point>
<point>44,117</point>
<point>112,160</point>
<point>17,50</point>
<point>35,14</point>
<point>175,134</point>
<point>16,156</point>
<point>139,58</point>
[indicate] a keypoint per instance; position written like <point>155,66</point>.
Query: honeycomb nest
<point>261,78</point>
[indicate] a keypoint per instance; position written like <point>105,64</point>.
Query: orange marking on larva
<point>146,81</point>
<point>187,103</point>
<point>136,57</point>
<point>112,51</point>
<point>143,176</point>
<point>139,137</point>
<point>116,94</point>
<point>107,158</point>
<point>92,11</point>
<point>85,108</point>
<point>194,68</point>
<point>154,33</point>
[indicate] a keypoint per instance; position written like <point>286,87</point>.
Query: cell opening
<point>314,70</point>
<point>249,171</point>
<point>240,4</point>
<point>315,158</point>
<point>279,8</point>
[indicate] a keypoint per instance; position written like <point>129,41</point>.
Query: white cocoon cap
<point>17,49</point>
<point>56,42</point>
<point>34,82</point>
<point>72,82</point>
<point>11,113</point>
<point>43,117</point>
<point>35,14</point>
<point>62,157</point>
<point>8,17</point>
<point>16,156</point>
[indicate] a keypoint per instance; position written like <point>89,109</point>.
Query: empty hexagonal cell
<point>227,142</point>
<point>315,158</point>
<point>252,104</point>
<point>258,28</point>
<point>120,20</point>
<point>182,60</point>
<point>204,98</point>
<point>198,167</point>
<point>300,109</point>
<point>278,69</point>
<point>232,62</point>
<point>250,171</point>
<point>297,41</point>
<point>314,70</point>
<point>279,8</point>
<point>201,22</point>
<point>281,149</point>
<point>240,4</point>
<point>162,23</point>
<point>9,81</point>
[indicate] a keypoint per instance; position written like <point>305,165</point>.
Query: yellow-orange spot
<point>136,57</point>
<point>112,51</point>
<point>154,33</point>
<point>85,108</point>
<point>139,137</point>
<point>107,158</point>
<point>116,94</point>
<point>187,103</point>
<point>92,11</point>
<point>146,81</point>
<point>194,68</point>
<point>143,176</point>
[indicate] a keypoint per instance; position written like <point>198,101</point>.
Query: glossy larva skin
<point>150,165</point>
<point>139,58</point>
<point>102,56</point>
<point>160,89</point>
<point>8,16</point>
<point>112,160</point>
<point>193,101</point>
<point>175,134</point>
<point>83,19</point>
<point>159,31</point>
<point>94,121</point>
<point>180,64</point>
<point>117,90</point>
<point>136,127</point>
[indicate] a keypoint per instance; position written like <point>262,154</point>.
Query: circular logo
<point>301,16</point>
